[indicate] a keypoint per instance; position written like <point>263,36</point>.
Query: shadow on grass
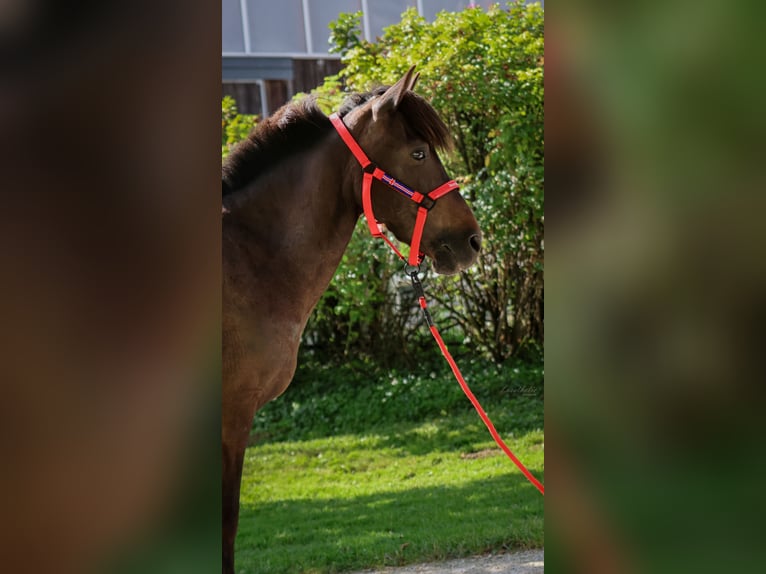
<point>334,403</point>
<point>390,528</point>
<point>453,434</point>
<point>464,433</point>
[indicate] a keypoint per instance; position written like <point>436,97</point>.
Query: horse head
<point>401,133</point>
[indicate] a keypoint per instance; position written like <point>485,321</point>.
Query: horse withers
<point>292,194</point>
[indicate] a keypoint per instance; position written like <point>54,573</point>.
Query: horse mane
<point>298,126</point>
<point>294,127</point>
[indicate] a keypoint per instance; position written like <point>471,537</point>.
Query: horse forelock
<point>419,116</point>
<point>422,119</point>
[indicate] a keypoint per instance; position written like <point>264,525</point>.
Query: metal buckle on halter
<point>370,167</point>
<point>410,270</point>
<point>429,206</point>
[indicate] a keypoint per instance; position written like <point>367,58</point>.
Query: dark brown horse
<point>291,199</point>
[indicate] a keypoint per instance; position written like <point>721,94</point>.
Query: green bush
<point>234,126</point>
<point>483,71</point>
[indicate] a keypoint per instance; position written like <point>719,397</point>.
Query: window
<point>382,14</point>
<point>231,34</point>
<point>321,13</point>
<point>276,27</point>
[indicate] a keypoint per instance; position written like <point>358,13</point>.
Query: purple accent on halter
<point>397,185</point>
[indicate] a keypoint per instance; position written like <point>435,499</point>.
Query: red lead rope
<point>371,171</point>
<point>463,385</point>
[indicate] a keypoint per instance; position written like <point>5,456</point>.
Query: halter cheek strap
<point>371,171</point>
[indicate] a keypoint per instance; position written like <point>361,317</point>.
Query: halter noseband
<point>371,171</point>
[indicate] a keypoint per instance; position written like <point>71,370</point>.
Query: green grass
<point>396,493</point>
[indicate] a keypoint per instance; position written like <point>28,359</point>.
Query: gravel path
<point>527,562</point>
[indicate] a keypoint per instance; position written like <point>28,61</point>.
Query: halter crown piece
<point>371,171</point>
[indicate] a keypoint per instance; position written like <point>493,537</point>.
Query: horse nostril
<point>475,241</point>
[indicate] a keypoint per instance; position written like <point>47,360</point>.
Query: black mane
<point>299,126</point>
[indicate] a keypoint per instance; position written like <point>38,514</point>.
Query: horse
<point>292,195</point>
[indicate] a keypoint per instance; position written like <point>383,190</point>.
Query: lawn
<point>398,492</point>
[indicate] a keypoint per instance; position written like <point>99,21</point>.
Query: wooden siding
<point>306,75</point>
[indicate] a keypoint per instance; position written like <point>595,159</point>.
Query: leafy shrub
<point>483,72</point>
<point>234,126</point>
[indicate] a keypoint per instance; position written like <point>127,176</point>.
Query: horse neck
<point>299,217</point>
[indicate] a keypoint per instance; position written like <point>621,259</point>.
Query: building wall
<point>264,96</point>
<point>275,49</point>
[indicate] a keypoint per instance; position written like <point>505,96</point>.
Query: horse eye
<point>419,155</point>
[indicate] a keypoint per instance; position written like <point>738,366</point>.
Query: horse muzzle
<point>452,254</point>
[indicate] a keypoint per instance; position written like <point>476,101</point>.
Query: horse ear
<point>392,97</point>
<point>414,80</point>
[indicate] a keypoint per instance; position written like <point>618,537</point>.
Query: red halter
<point>425,201</point>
